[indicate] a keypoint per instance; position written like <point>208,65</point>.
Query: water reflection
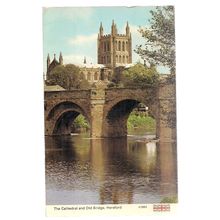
<point>80,170</point>
<point>168,167</point>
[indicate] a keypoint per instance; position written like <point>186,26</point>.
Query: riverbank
<point>141,122</point>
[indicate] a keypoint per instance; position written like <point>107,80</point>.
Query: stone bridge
<point>107,110</point>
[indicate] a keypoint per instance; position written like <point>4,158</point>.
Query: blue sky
<point>73,31</point>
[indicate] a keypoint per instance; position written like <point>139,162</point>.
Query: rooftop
<point>53,88</point>
<point>91,65</point>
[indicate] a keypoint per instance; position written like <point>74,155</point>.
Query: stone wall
<point>166,125</point>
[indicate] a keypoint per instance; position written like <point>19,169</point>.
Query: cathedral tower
<point>114,49</point>
<point>53,64</point>
<point>48,62</point>
<point>61,59</point>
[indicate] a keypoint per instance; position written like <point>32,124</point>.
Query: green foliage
<point>81,122</point>
<point>142,122</point>
<point>140,76</point>
<point>159,48</point>
<point>172,199</point>
<point>68,77</point>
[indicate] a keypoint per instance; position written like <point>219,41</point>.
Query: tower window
<point>96,76</point>
<point>119,45</point>
<point>123,59</point>
<point>85,74</point>
<point>126,45</point>
<point>120,59</point>
<point>116,58</point>
<point>123,46</point>
<point>109,75</point>
<point>89,76</point>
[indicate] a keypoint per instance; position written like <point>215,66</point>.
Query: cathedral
<point>114,52</point>
<point>114,49</point>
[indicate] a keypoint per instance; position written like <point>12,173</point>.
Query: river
<point>131,170</point>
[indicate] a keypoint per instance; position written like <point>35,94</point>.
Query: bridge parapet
<point>78,94</point>
<point>139,94</point>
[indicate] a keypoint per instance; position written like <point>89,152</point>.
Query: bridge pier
<point>97,106</point>
<point>166,115</point>
<point>96,119</point>
<point>48,127</point>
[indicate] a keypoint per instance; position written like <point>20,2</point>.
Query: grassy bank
<point>141,122</point>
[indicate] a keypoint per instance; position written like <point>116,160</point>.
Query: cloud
<point>79,12</point>
<point>52,14</point>
<point>83,39</point>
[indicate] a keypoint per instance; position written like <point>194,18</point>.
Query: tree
<point>68,77</point>
<point>159,48</point>
<point>139,76</point>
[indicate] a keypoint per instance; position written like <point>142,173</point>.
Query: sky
<point>74,30</point>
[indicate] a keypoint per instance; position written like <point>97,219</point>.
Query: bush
<point>81,122</point>
<point>140,76</point>
<point>142,122</point>
<point>172,199</point>
<point>69,77</point>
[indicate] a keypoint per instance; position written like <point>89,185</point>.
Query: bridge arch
<point>117,113</point>
<point>61,116</point>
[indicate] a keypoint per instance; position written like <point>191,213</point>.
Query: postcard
<point>110,110</point>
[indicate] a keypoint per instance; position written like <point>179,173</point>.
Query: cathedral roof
<point>53,88</point>
<point>128,65</point>
<point>91,65</point>
<point>54,62</point>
